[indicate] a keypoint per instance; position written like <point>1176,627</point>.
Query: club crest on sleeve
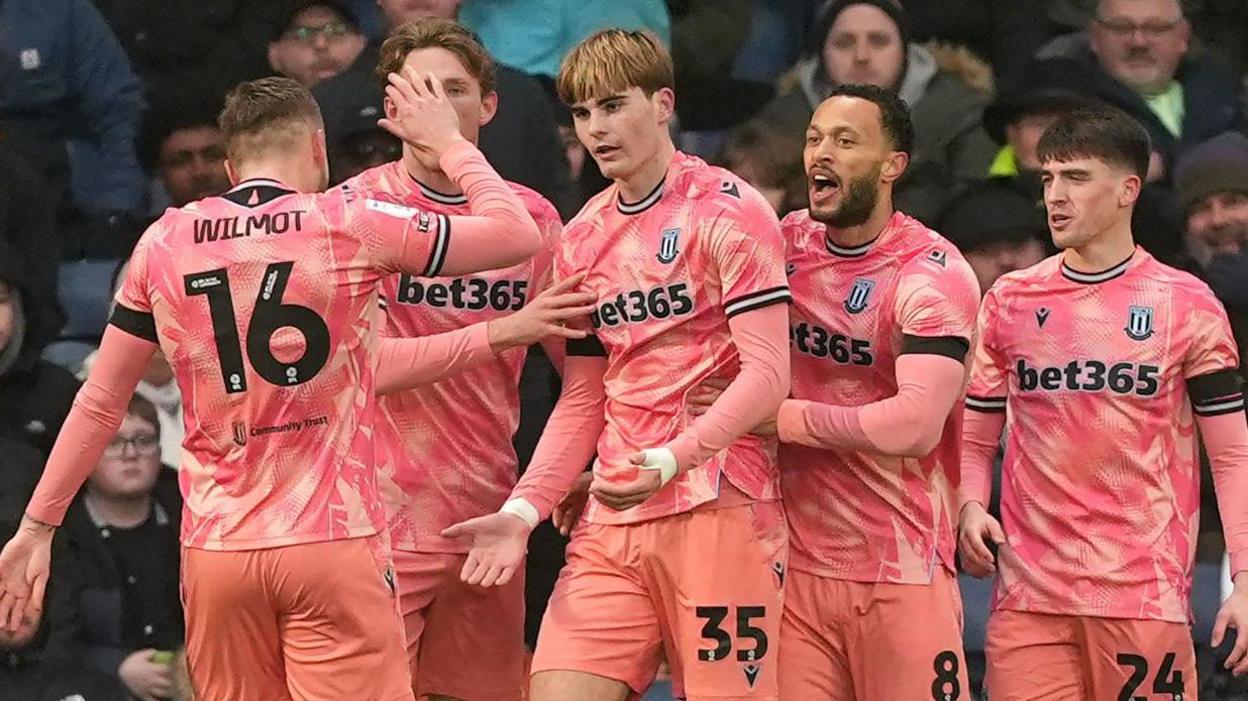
<point>1139,322</point>
<point>424,222</point>
<point>937,256</point>
<point>859,295</point>
<point>669,245</point>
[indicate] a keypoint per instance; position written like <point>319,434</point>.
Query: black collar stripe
<point>1093,278</point>
<point>440,197</point>
<point>643,204</point>
<point>854,252</point>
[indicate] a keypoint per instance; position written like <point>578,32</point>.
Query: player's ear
<point>894,166</point>
<point>1129,191</point>
<point>392,111</point>
<point>665,103</point>
<point>489,108</point>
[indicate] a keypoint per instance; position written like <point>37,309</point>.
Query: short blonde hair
<point>436,33</point>
<point>611,61</point>
<point>265,114</point>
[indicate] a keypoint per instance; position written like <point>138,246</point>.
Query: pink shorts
<point>1044,657</point>
<point>700,589</point>
<point>463,641</point>
<point>867,641</point>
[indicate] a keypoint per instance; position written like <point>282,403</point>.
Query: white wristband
<point>521,508</point>
<point>663,460</point>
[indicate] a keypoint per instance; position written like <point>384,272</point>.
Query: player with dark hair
<point>1101,363</point>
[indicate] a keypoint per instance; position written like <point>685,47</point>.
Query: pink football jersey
<point>855,515</point>
<point>669,271</point>
<point>265,303</point>
<point>447,445</point>
<point>1098,374</point>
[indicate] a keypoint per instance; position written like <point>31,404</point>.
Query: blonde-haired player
<point>683,550</point>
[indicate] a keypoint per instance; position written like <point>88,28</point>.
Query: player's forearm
<point>405,363</point>
<point>569,440</point>
<point>761,337</point>
<point>907,424</point>
<point>99,408</point>
<point>981,439</point>
<point>1226,441</point>
<point>500,232</point>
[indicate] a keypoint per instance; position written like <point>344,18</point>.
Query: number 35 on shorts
<point>749,642</point>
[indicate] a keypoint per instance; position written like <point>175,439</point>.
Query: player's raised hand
<point>555,313</point>
<point>498,544</point>
<point>24,565</point>
<point>569,509</point>
<point>423,117</point>
<point>978,533</point>
<point>1234,614</point>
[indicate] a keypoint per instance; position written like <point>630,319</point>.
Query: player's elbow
<point>916,443</point>
<point>526,237</point>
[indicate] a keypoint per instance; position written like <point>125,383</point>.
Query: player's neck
<point>641,182</point>
<point>288,171</point>
<point>120,513</point>
<point>866,232</point>
<point>1103,252</point>
<point>431,177</point>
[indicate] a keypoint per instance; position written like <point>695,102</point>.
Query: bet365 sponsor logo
<point>1090,376</point>
<point>816,341</point>
<point>641,305</point>
<point>464,293</point>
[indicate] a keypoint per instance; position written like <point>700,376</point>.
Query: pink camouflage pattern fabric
<point>1101,481</point>
<point>853,515</point>
<point>265,303</point>
<point>447,454</point>
<point>669,271</point>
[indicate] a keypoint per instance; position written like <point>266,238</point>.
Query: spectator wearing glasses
<point>1138,55</point>
<point>122,531</point>
<point>319,40</point>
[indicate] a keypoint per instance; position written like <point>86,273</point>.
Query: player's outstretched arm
<point>1226,441</point>
<point>566,446</point>
<point>500,232</point>
<point>405,363</point>
<point>98,410</point>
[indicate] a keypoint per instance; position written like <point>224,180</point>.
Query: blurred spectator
<point>123,531</point>
<point>864,41</point>
<point>35,395</point>
<point>520,142</point>
<point>707,38</point>
<point>318,40</point>
<point>516,38</point>
<point>1003,32</point>
<point>360,144</point>
<point>1136,55</point>
<point>1017,119</point>
<point>186,49</point>
<point>70,104</point>
<point>28,228</point>
<point>769,160</point>
<point>158,386</point>
<point>182,146</point>
<point>1213,184</point>
<point>997,229</point>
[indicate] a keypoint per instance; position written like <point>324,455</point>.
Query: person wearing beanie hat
<point>867,42</point>
<point>998,230</point>
<point>319,40</point>
<point>1212,180</point>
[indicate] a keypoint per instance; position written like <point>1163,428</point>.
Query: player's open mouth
<point>823,185</point>
<point>1059,221</point>
<point>606,151</point>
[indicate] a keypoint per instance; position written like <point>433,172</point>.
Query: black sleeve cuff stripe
<point>985,404</point>
<point>437,257</point>
<point>1214,385</point>
<point>757,300</point>
<point>954,347</point>
<point>588,347</point>
<point>1229,406</point>
<point>135,323</point>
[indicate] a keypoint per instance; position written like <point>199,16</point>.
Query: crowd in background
<point>107,116</point>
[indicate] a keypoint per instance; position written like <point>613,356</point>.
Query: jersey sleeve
<point>989,379</point>
<point>937,299</point>
<point>132,308</point>
<point>1212,361</point>
<point>747,251</point>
